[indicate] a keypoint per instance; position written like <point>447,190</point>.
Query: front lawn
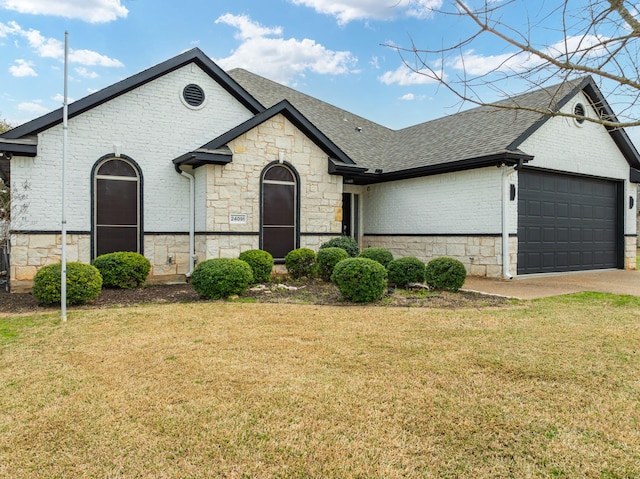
<point>547,388</point>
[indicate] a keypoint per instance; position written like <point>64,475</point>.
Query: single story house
<point>184,162</point>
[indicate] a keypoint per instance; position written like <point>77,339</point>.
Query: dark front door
<point>279,230</point>
<point>567,223</point>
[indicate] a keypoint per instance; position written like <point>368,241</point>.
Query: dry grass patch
<point>548,389</point>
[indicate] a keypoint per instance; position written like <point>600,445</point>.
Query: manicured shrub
<point>403,271</point>
<point>221,277</point>
<point>301,262</point>
<point>345,242</point>
<point>122,269</point>
<point>445,273</point>
<point>261,263</point>
<point>327,259</point>
<point>84,283</point>
<point>361,280</point>
<point>381,255</point>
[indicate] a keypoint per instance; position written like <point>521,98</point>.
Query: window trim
<point>296,196</point>
<point>140,190</point>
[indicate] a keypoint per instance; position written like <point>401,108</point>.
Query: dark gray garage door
<point>566,223</point>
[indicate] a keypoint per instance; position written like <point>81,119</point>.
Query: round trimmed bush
<point>345,242</point>
<point>84,283</point>
<point>327,260</point>
<point>122,269</point>
<point>300,262</point>
<point>445,273</point>
<point>221,277</point>
<point>261,263</point>
<point>403,271</point>
<point>361,280</point>
<point>381,255</point>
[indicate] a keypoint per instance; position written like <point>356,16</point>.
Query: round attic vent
<point>193,95</point>
<point>579,110</point>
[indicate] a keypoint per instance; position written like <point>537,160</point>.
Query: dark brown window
<point>279,211</point>
<point>116,207</point>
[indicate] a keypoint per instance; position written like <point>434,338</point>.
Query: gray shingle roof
<point>478,132</point>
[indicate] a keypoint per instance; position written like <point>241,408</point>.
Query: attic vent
<point>579,110</point>
<point>193,95</point>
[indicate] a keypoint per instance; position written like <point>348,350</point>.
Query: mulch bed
<point>296,292</point>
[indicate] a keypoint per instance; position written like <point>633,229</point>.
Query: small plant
<point>122,269</point>
<point>327,259</point>
<point>403,271</point>
<point>361,280</point>
<point>84,283</point>
<point>300,262</point>
<point>345,242</point>
<point>381,255</point>
<point>445,273</point>
<point>261,263</point>
<point>221,277</point>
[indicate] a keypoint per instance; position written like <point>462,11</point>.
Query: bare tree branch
<point>598,38</point>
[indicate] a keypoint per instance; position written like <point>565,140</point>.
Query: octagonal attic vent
<point>193,95</point>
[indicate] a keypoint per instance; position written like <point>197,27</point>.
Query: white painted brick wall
<point>560,144</point>
<point>152,126</point>
<point>467,202</point>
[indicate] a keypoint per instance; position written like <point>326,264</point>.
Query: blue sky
<point>331,49</point>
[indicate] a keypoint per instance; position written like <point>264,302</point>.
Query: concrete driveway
<point>616,281</point>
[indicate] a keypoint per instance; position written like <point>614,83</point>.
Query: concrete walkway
<point>539,286</point>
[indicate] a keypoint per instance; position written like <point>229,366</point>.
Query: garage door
<point>566,223</point>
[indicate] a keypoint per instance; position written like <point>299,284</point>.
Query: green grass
<point>547,388</point>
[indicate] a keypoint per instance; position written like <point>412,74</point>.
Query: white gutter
<point>192,221</point>
<point>507,171</point>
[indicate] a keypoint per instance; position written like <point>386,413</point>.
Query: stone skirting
<point>167,253</point>
<point>30,252</point>
<point>630,252</point>
<point>481,255</point>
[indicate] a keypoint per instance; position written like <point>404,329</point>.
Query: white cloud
<point>246,28</point>
<point>22,68</point>
<point>54,48</point>
<point>478,64</point>
<point>280,59</point>
<point>404,76</point>
<point>84,73</point>
<point>59,98</point>
<point>33,107</point>
<point>93,11</point>
<point>91,58</point>
<point>346,11</point>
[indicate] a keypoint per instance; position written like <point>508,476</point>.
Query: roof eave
<point>198,158</point>
<point>298,119</point>
<point>507,158</point>
<point>10,148</point>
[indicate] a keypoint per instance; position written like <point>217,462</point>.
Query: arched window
<point>279,233</point>
<point>116,206</point>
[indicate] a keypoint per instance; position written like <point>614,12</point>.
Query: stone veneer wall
<point>481,255</point>
<point>30,252</point>
<point>630,251</point>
